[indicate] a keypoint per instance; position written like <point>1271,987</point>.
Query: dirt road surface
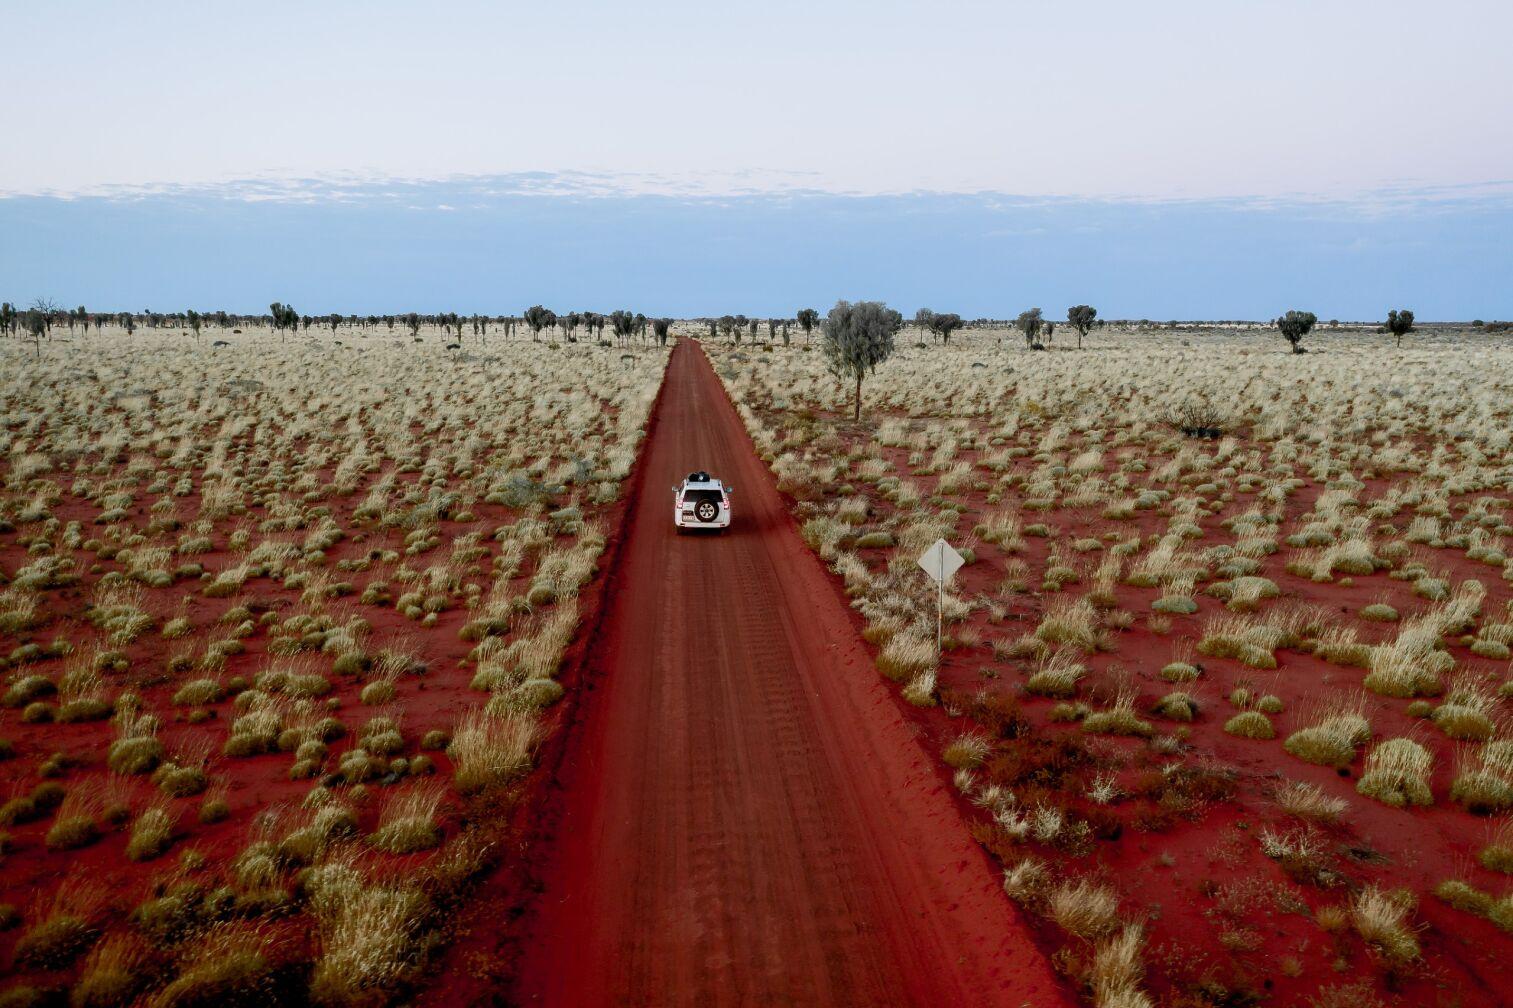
<point>746,817</point>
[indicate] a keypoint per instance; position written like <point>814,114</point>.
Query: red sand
<point>746,816</point>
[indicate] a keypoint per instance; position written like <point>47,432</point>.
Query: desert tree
<point>194,319</point>
<point>50,311</point>
<point>713,325</point>
<point>1400,323</point>
<point>35,326</point>
<point>785,333</point>
<point>728,327</point>
<point>284,317</point>
<point>943,324</point>
<point>752,328</point>
<point>807,319</point>
<point>538,318</point>
<point>1081,318</point>
<point>7,318</point>
<point>623,325</point>
<point>924,321</point>
<point>412,323</point>
<point>593,324</point>
<point>1029,323</point>
<point>1295,325</point>
<point>334,320</point>
<point>128,321</point>
<point>856,338</point>
<point>574,320</point>
<point>660,328</point>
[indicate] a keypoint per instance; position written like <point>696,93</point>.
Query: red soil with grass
<point>261,797</point>
<point>742,813</point>
<point>1224,924</point>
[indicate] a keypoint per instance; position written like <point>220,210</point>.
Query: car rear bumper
<point>687,521</point>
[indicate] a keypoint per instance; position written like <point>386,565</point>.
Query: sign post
<point>940,561</point>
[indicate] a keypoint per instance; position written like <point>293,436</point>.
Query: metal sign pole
<point>940,613</point>
<point>940,561</point>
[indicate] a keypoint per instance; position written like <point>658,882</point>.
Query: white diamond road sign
<point>940,561</point>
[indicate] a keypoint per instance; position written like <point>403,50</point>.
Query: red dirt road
<point>746,816</point>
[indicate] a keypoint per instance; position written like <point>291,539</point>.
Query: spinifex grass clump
<point>151,834</point>
<point>905,656</point>
<point>367,931</point>
<point>1251,724</point>
<point>408,822</point>
<point>1084,908</point>
<point>1179,672</point>
<point>1381,919</point>
<point>1397,773</point>
<point>1176,598</point>
<point>1467,711</point>
<point>1308,802</point>
<point>1178,706</point>
<point>967,751</point>
<point>1337,731</point>
<point>1118,719</point>
<point>1245,594</point>
<point>487,751</point>
<point>1071,621</point>
<point>1057,676</point>
<point>77,823</point>
<point>1244,639</point>
<point>1484,778</point>
<point>1497,855</point>
<point>64,931</point>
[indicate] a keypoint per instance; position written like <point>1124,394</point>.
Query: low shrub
<point>1250,724</point>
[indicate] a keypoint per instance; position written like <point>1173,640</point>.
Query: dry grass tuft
<point>151,834</point>
<point>967,751</point>
<point>1250,724</point>
<point>1084,908</point>
<point>1057,676</point>
<point>906,655</point>
<point>408,821</point>
<point>1381,918</point>
<point>1117,970</point>
<point>1333,737</point>
<point>1308,802</point>
<point>488,751</point>
<point>1397,774</point>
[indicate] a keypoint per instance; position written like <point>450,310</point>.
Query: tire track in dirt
<point>746,816</point>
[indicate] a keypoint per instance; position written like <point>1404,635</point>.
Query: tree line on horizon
<point>38,321</point>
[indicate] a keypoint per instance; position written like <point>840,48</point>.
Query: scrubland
<point>284,627</point>
<point>1225,682</point>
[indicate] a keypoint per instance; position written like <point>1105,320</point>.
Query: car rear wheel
<point>706,511</point>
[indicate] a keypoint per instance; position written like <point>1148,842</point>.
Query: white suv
<point>701,502</point>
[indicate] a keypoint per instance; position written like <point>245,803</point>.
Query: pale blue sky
<point>1223,118</point>
<point>1099,97</point>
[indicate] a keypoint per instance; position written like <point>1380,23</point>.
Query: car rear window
<point>692,497</point>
